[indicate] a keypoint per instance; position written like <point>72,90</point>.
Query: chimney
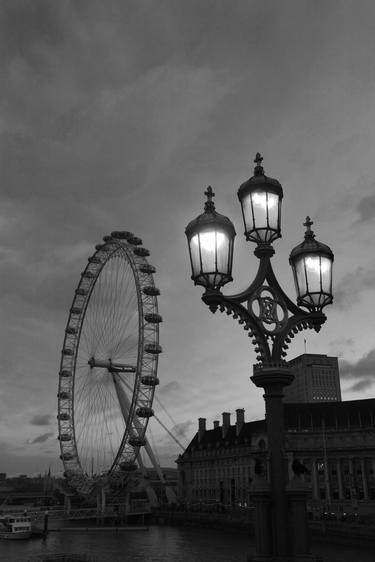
<point>201,428</point>
<point>216,424</point>
<point>240,419</point>
<point>226,423</point>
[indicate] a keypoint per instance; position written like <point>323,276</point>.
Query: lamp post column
<point>273,379</point>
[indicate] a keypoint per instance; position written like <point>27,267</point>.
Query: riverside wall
<point>342,532</point>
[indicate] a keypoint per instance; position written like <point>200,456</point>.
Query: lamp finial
<point>309,233</point>
<point>258,170</point>
<point>209,206</point>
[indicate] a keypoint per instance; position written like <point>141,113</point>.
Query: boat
<point>13,526</point>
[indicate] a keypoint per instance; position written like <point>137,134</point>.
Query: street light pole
<point>271,320</point>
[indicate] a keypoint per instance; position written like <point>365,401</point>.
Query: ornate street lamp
<point>271,320</point>
<point>211,238</point>
<point>312,262</point>
<point>260,199</point>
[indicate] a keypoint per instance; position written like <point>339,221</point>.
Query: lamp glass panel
<point>273,211</point>
<point>313,269</point>
<point>247,213</point>
<point>223,247</point>
<point>195,256</point>
<point>326,271</point>
<point>259,201</point>
<point>212,247</point>
<point>261,214</point>
<point>300,277</point>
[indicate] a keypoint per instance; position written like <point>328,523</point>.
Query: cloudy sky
<point>116,115</point>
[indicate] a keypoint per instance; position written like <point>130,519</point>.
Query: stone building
<point>335,441</point>
<point>316,379</point>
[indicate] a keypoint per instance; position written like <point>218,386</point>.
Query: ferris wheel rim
<point>145,372</point>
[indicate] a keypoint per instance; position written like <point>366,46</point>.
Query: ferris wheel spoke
<point>125,320</point>
<point>89,431</point>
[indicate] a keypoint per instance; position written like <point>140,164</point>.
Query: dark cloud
<point>27,23</point>
<point>364,367</point>
<point>340,346</point>
<point>42,438</point>
<point>362,371</point>
<point>172,386</point>
<point>348,291</point>
<point>361,385</point>
<point>366,208</point>
<point>183,429</point>
<point>41,419</point>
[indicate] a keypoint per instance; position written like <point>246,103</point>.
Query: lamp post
<point>271,320</point>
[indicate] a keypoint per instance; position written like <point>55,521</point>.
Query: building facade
<point>335,441</point>
<point>316,379</point>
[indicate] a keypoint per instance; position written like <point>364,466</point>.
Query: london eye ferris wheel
<point>108,368</point>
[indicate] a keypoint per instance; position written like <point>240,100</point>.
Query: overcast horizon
<point>117,116</point>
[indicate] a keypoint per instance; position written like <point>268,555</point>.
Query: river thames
<point>159,544</point>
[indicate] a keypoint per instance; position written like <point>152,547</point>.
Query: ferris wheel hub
<point>111,366</point>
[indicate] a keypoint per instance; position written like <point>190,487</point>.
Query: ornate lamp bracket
<point>266,312</point>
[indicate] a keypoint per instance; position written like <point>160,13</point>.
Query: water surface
<point>159,544</point>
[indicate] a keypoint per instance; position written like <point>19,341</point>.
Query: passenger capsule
<point>153,318</point>
<point>67,351</point>
<point>71,330</point>
<point>65,437</point>
<point>107,238</point>
<point>135,241</point>
<point>88,274</point>
<point>94,259</point>
<point>142,252</point>
<point>81,292</point>
<point>154,348</point>
<point>64,416</point>
<point>66,457</point>
<point>63,395</point>
<point>137,441</point>
<point>147,268</point>
<point>149,380</point>
<point>122,234</point>
<point>65,373</point>
<point>144,412</point>
<point>76,310</point>
<point>151,291</point>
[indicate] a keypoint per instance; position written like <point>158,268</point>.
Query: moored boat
<point>13,526</point>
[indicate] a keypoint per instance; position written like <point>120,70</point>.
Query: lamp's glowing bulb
<point>317,265</point>
<point>209,241</point>
<point>260,199</point>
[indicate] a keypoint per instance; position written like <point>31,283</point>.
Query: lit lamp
<point>311,262</point>
<point>260,199</point>
<point>210,238</point>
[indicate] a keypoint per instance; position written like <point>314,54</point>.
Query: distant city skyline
<point>117,116</point>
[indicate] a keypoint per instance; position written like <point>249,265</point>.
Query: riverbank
<point>345,533</point>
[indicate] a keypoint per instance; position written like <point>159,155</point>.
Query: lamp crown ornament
<point>309,233</point>
<point>258,170</point>
<point>209,206</point>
